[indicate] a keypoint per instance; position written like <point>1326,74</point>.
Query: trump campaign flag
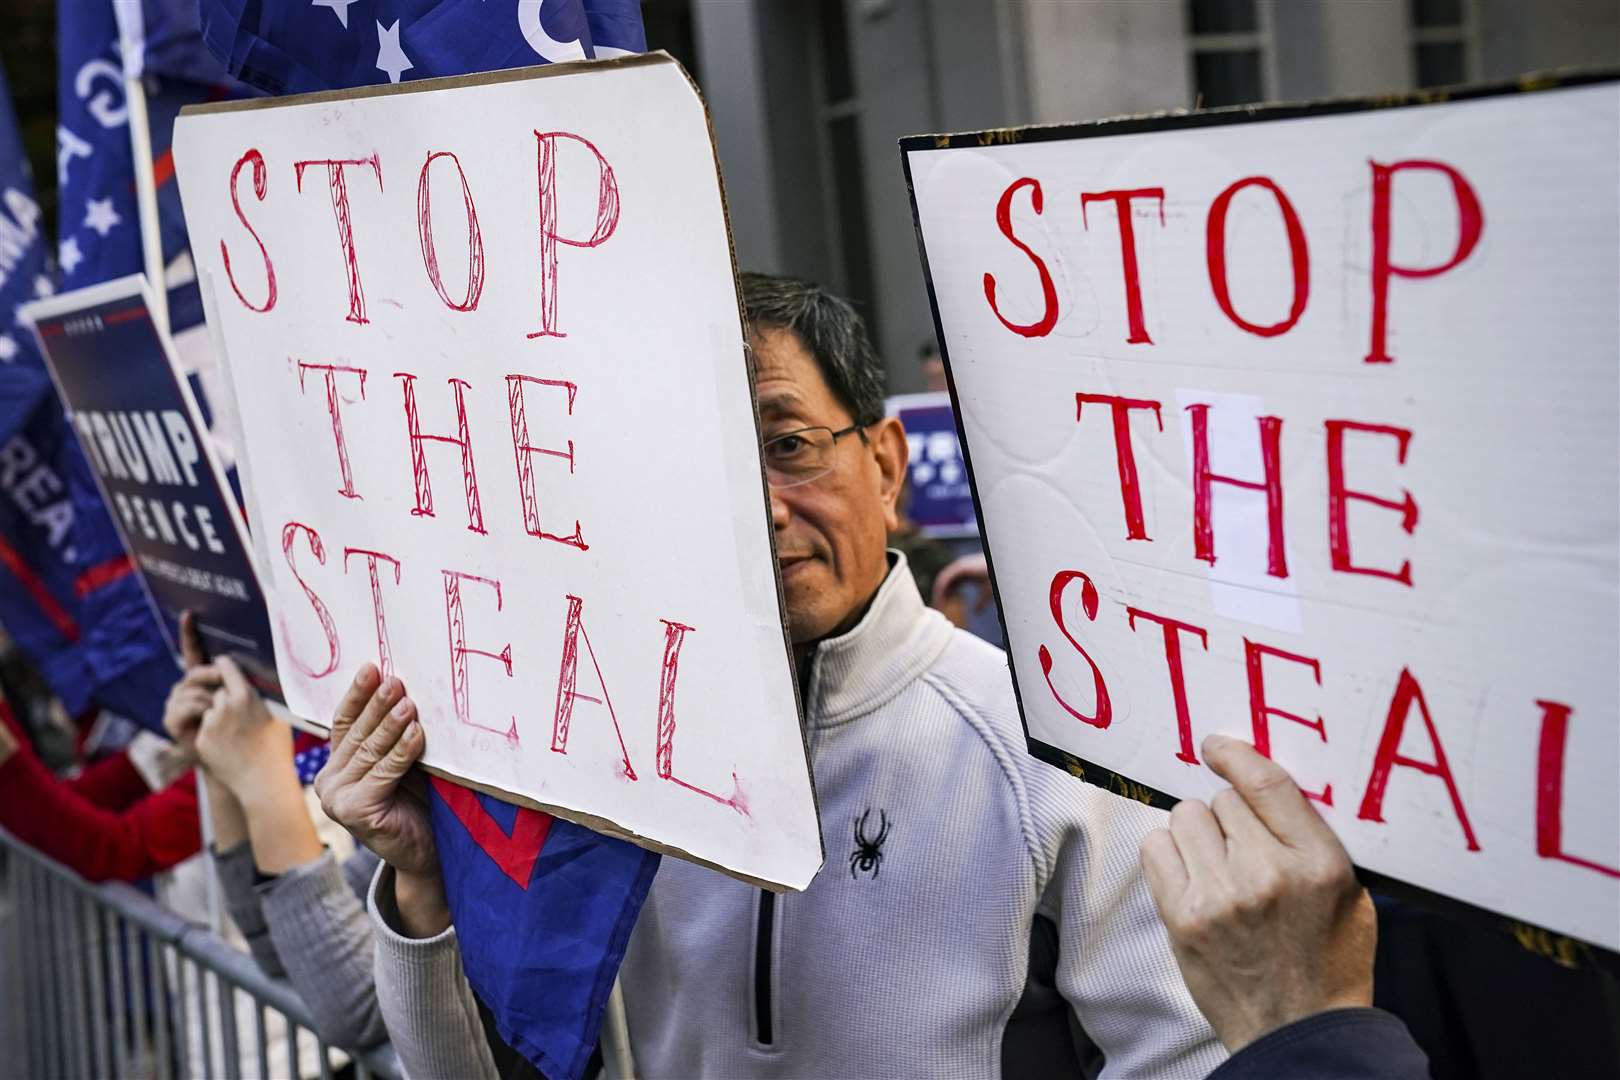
<point>289,48</point>
<point>543,908</point>
<point>67,596</point>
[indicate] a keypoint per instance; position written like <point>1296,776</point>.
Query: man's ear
<point>889,447</point>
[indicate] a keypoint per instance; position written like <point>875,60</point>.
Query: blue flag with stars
<point>294,46</point>
<point>68,596</point>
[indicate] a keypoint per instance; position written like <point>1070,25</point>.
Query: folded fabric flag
<point>543,909</point>
<point>288,48</point>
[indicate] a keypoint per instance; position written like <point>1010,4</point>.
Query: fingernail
<point>403,709</point>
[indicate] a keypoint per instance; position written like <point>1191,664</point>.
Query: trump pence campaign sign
<point>1303,425</point>
<point>499,438</point>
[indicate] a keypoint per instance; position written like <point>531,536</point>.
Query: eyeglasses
<point>799,457</point>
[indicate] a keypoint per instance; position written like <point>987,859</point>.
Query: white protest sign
<point>484,340</point>
<point>1304,426</point>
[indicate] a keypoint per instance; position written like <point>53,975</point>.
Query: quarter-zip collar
<point>897,639</point>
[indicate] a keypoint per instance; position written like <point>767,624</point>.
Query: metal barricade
<point>101,981</point>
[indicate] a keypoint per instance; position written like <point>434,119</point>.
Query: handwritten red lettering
<point>1339,495</point>
<point>1407,694</point>
<point>1261,711</point>
<point>607,219</point>
<point>1127,250</point>
<point>1049,302</point>
<point>289,533</point>
<point>456,622</point>
<point>475,238</point>
<point>1173,629</point>
<point>1088,603</point>
<point>1129,492</point>
<point>1470,223</point>
<point>1550,789</point>
<point>1299,256</point>
<point>345,222</point>
<point>524,452</point>
<point>260,182</point>
<point>334,409</point>
<point>1203,497</point>
<point>462,439</point>
<point>385,654</point>
<point>567,680</point>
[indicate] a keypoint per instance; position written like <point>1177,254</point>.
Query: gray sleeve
<point>1115,966</point>
<point>358,870</point>
<point>323,937</point>
<point>431,1013</point>
<point>236,879</point>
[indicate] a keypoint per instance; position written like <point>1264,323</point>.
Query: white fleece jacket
<point>908,952</point>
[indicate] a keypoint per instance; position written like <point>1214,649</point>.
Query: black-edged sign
<point>1302,424</point>
<point>134,412</point>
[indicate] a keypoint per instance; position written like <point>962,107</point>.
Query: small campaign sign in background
<point>499,438</point>
<point>941,500</point>
<point>1303,425</point>
<point>139,424</point>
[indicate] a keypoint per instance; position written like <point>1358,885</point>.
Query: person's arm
<point>112,783</point>
<point>1273,934</point>
<point>1115,966</point>
<point>99,845</point>
<point>324,938</point>
<point>426,1002</point>
<point>238,881</point>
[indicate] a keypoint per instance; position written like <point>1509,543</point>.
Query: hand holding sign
<point>375,740</point>
<point>1265,915</point>
<point>194,693</point>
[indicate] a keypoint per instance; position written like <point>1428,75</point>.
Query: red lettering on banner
<point>1129,492</point>
<point>1299,256</point>
<point>1127,250</point>
<point>475,238</point>
<point>1049,301</point>
<point>1550,789</point>
<point>674,635</point>
<point>1470,223</point>
<point>462,439</point>
<point>385,654</point>
<point>289,533</point>
<point>345,222</point>
<point>1407,694</point>
<point>456,621</point>
<point>567,679</point>
<point>607,219</point>
<point>1261,711</point>
<point>260,180</point>
<point>1204,476</point>
<point>1173,629</point>
<point>1338,495</point>
<point>334,409</point>
<point>524,451</point>
<point>1088,602</point>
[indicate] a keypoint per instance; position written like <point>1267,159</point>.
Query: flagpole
<point>616,1037</point>
<point>140,140</point>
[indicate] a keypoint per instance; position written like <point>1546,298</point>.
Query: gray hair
<point>831,331</point>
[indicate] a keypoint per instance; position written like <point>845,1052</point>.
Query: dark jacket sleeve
<point>1342,1044</point>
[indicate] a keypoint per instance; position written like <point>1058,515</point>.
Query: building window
<point>839,109</point>
<point>1445,42</point>
<point>1230,53</point>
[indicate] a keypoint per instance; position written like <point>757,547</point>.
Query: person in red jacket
<point>104,824</point>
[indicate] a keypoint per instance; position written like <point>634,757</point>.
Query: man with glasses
<point>980,913</point>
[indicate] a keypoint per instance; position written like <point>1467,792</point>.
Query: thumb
<point>191,646</point>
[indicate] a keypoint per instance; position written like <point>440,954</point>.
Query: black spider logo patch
<point>868,854</point>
